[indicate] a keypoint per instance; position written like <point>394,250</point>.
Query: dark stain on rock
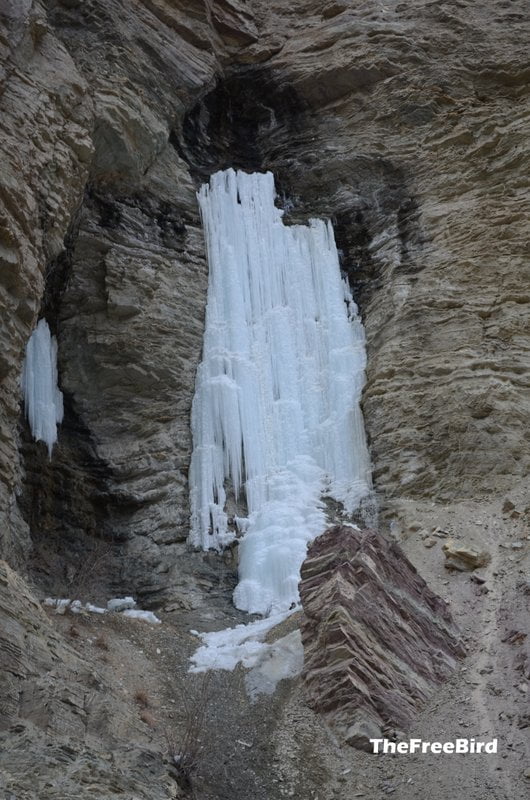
<point>63,501</point>
<point>232,124</point>
<point>383,203</point>
<point>57,275</point>
<point>353,237</point>
<point>410,235</point>
<point>163,220</point>
<point>109,211</point>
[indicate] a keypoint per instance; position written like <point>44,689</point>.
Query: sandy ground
<point>276,747</point>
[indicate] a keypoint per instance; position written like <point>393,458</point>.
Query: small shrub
<point>142,698</point>
<point>148,718</point>
<point>90,568</point>
<point>102,642</point>
<point>185,751</point>
<point>74,632</point>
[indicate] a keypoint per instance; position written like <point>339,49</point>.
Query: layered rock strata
<point>376,639</point>
<point>59,718</point>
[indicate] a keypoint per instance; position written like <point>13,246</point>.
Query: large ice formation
<point>43,400</point>
<point>276,413</point>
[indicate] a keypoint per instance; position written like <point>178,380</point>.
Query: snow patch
<point>123,606</point>
<point>146,616</point>
<point>94,609</point>
<point>120,603</point>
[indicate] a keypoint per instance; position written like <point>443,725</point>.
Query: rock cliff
<point>406,123</point>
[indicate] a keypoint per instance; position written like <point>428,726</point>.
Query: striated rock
<point>46,149</point>
<point>464,558</point>
<point>376,639</point>
<point>111,251</point>
<point>389,119</point>
<point>419,158</point>
<point>33,656</point>
<point>56,710</point>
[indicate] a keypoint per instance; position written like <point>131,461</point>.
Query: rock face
<point>405,123</point>
<point>46,151</point>
<point>376,639</point>
<point>55,709</point>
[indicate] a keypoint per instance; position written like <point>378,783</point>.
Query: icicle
<point>276,409</point>
<point>43,400</point>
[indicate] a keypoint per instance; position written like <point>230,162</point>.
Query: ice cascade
<point>276,412</point>
<point>43,400</point>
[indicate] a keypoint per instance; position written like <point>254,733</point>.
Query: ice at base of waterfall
<point>230,646</point>
<point>276,410</point>
<point>268,662</point>
<point>43,400</point>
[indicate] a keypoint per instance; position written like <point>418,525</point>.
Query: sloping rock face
<point>46,151</point>
<point>103,237</point>
<point>406,123</point>
<point>376,639</point>
<point>59,719</point>
<point>415,138</point>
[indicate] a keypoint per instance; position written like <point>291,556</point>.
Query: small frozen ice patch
<point>278,661</point>
<point>243,644</point>
<point>43,400</point>
<point>120,603</point>
<point>146,616</point>
<point>125,606</point>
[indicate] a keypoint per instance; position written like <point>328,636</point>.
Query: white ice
<point>226,648</point>
<point>122,605</point>
<point>276,411</point>
<point>146,616</point>
<point>43,400</point>
<point>94,609</point>
<point>282,659</point>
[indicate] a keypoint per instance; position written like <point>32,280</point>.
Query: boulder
<point>464,558</point>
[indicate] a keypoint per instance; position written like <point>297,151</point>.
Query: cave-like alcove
<point>234,124</point>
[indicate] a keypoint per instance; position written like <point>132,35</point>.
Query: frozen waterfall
<point>43,400</point>
<point>276,417</point>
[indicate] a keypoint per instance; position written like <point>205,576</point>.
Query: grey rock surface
<point>408,125</point>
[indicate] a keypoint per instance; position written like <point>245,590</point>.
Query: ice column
<point>43,400</point>
<point>276,409</point>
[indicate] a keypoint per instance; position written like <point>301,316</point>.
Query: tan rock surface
<point>405,122</point>
<point>464,558</point>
